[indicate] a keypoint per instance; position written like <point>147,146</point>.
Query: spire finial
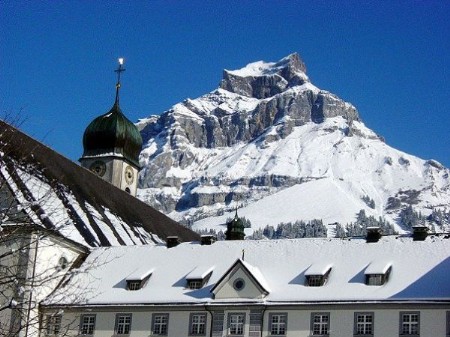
<point>119,70</point>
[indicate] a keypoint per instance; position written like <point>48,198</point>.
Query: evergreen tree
<point>410,218</point>
<point>440,218</point>
<point>298,229</point>
<point>369,202</point>
<point>340,231</point>
<point>359,228</point>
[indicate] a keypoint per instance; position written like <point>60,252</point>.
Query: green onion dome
<point>113,134</point>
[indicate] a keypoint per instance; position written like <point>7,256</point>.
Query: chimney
<point>420,233</point>
<point>172,241</point>
<point>373,234</point>
<point>207,240</point>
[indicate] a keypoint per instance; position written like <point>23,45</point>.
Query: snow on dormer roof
<point>377,267</point>
<point>140,274</point>
<point>320,268</point>
<point>199,272</point>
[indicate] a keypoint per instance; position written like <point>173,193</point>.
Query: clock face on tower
<point>98,167</point>
<point>129,175</point>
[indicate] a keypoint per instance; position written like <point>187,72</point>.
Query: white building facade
<point>304,287</point>
<point>33,262</point>
<point>279,320</point>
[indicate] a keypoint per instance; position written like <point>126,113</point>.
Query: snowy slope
<point>272,143</point>
<point>337,171</point>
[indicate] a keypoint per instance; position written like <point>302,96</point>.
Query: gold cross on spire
<point>119,70</point>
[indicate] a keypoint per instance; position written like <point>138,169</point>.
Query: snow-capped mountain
<point>270,142</point>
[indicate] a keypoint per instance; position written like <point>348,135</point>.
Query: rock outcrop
<point>249,101</point>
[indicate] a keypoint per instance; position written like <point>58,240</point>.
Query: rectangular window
<point>194,284</point>
<point>410,323</point>
<point>87,324</point>
<point>320,323</point>
<point>236,323</point>
<point>160,324</point>
<point>123,324</point>
<point>375,280</point>
<point>363,324</point>
<point>53,324</point>
<point>315,280</point>
<point>197,324</point>
<point>277,324</point>
<point>134,285</point>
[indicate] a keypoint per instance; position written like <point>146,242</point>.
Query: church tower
<point>112,144</point>
<point>235,229</point>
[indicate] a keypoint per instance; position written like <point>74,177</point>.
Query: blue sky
<point>390,59</point>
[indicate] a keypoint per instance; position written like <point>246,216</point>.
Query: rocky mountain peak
<point>265,79</point>
<point>271,141</point>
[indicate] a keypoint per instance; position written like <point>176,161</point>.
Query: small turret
<point>235,229</point>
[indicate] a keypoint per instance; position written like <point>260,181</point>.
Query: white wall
<point>115,172</point>
<point>432,321</point>
<point>48,272</point>
<point>36,280</point>
<point>141,322</point>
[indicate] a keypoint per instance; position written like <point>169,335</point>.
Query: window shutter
<point>217,328</point>
<point>255,323</point>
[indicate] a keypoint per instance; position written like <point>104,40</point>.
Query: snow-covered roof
<point>59,195</point>
<point>199,272</point>
<point>419,271</point>
<point>140,274</point>
<point>320,268</point>
<point>256,273</point>
<point>378,267</point>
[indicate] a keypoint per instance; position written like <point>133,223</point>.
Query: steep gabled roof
<point>253,273</point>
<point>58,194</point>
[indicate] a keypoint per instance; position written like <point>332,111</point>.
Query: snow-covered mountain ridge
<point>271,142</point>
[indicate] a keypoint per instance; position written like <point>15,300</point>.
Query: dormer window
<point>377,279</point>
<point>317,275</point>
<point>134,285</point>
<point>377,274</point>
<point>195,283</point>
<point>198,277</point>
<point>315,280</point>
<point>138,279</point>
